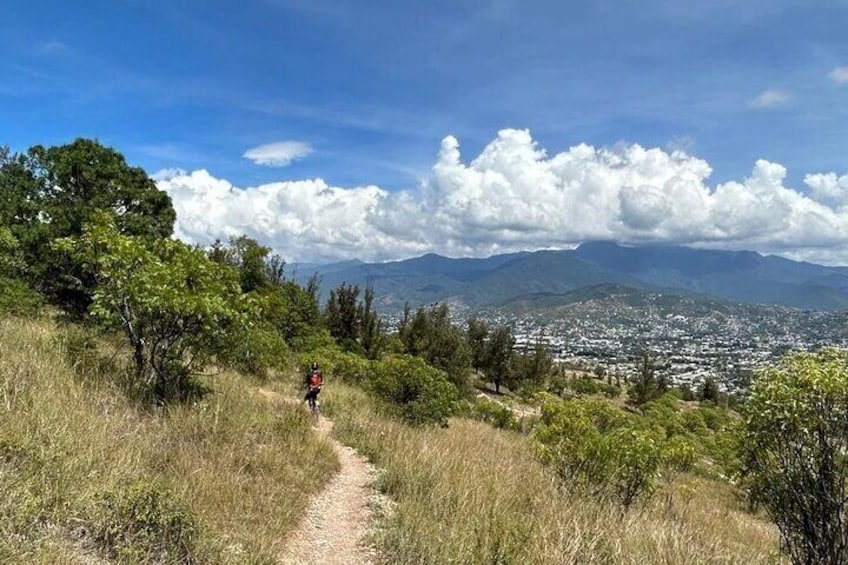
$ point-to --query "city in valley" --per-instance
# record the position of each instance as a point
(689, 338)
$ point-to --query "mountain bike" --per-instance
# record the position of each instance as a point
(314, 405)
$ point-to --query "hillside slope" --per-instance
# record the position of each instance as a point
(87, 476)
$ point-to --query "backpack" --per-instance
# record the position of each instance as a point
(315, 379)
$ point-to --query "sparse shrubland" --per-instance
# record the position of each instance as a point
(471, 493)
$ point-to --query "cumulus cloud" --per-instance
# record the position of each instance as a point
(514, 196)
(279, 153)
(839, 74)
(770, 98)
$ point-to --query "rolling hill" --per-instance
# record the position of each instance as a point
(739, 276)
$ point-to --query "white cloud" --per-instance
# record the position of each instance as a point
(828, 189)
(168, 173)
(839, 74)
(770, 98)
(513, 196)
(279, 153)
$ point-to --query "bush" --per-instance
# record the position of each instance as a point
(597, 446)
(793, 452)
(18, 298)
(610, 391)
(352, 368)
(495, 414)
(584, 385)
(144, 523)
(422, 393)
(256, 351)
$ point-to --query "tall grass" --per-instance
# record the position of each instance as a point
(85, 474)
(475, 494)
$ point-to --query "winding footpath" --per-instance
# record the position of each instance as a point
(335, 527)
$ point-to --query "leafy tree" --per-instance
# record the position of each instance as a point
(11, 262)
(431, 335)
(17, 297)
(531, 367)
(499, 356)
(57, 190)
(246, 255)
(372, 336)
(342, 313)
(20, 192)
(294, 312)
(175, 307)
(275, 270)
(84, 176)
(353, 323)
(709, 390)
(646, 386)
(794, 452)
(476, 333)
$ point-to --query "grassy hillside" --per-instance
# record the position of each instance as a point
(475, 494)
(88, 476)
(85, 475)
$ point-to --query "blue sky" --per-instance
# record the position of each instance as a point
(371, 88)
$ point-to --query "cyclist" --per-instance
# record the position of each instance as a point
(314, 381)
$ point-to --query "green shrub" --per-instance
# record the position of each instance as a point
(793, 451)
(144, 523)
(584, 385)
(557, 384)
(422, 393)
(496, 414)
(351, 368)
(260, 348)
(595, 445)
(610, 391)
(17, 298)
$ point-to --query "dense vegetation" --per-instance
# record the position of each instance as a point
(170, 362)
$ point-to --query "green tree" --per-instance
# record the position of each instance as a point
(342, 314)
(74, 182)
(431, 335)
(531, 367)
(372, 336)
(246, 255)
(17, 297)
(20, 192)
(646, 385)
(794, 453)
(476, 332)
(499, 352)
(175, 306)
(709, 391)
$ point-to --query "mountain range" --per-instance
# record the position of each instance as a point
(594, 268)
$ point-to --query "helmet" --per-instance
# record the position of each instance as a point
(315, 366)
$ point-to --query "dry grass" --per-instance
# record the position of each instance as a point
(243, 465)
(239, 466)
(474, 494)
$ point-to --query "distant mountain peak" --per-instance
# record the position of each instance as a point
(600, 267)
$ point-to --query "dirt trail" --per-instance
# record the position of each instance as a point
(335, 526)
